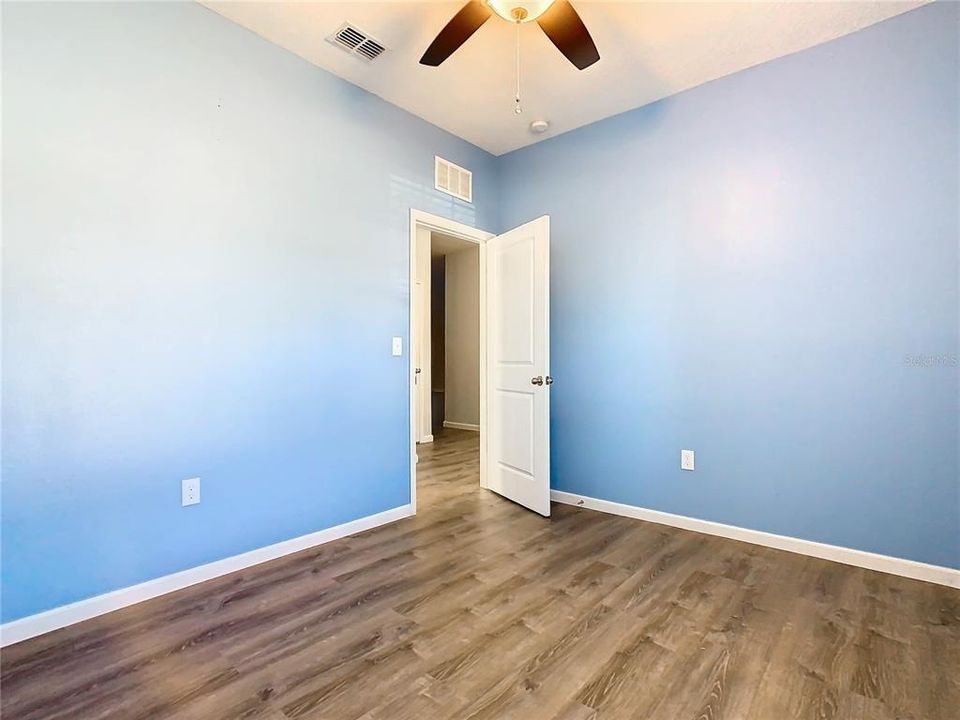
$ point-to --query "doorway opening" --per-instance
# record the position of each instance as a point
(513, 276)
(446, 343)
(454, 338)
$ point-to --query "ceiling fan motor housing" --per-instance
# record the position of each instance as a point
(557, 18)
(519, 12)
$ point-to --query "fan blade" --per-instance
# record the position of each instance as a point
(566, 30)
(456, 32)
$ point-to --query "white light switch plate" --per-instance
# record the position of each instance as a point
(190, 491)
(686, 460)
(397, 346)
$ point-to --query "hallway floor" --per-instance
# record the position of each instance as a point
(477, 608)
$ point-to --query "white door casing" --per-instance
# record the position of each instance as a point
(518, 364)
(422, 353)
(421, 225)
(418, 361)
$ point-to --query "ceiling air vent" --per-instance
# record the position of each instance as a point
(453, 179)
(356, 42)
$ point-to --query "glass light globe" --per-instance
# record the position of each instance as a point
(514, 11)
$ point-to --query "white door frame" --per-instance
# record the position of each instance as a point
(429, 221)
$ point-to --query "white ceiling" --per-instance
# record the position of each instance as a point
(441, 244)
(648, 50)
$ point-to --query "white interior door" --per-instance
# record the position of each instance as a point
(518, 367)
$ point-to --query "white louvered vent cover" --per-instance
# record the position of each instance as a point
(356, 42)
(453, 179)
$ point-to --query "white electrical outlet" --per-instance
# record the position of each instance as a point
(190, 491)
(686, 460)
(397, 346)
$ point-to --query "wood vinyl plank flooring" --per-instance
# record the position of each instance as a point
(476, 608)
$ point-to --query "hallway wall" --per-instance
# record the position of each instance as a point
(462, 385)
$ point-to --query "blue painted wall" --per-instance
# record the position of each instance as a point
(205, 256)
(765, 269)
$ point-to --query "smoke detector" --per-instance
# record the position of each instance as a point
(538, 127)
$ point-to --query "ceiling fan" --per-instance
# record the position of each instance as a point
(557, 18)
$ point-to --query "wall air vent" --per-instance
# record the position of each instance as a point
(351, 39)
(453, 179)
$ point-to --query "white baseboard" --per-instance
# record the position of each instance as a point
(33, 625)
(461, 426)
(859, 558)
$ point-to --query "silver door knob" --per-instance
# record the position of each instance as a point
(548, 380)
(538, 380)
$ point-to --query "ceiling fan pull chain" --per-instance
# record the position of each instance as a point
(518, 109)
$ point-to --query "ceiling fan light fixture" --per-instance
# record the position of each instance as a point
(558, 20)
(519, 12)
